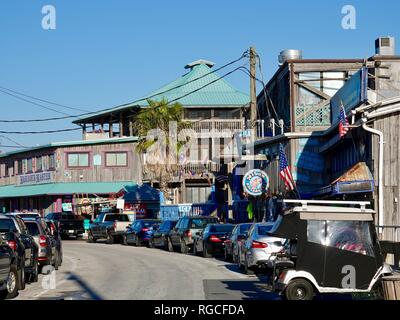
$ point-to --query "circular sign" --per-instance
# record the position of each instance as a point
(255, 182)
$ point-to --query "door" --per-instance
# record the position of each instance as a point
(96, 224)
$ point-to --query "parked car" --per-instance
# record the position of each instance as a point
(10, 234)
(212, 239)
(235, 239)
(55, 232)
(108, 226)
(141, 231)
(26, 214)
(255, 252)
(8, 266)
(69, 224)
(26, 243)
(48, 254)
(182, 234)
(159, 237)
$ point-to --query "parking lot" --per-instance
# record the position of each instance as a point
(101, 271)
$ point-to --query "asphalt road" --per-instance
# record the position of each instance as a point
(100, 271)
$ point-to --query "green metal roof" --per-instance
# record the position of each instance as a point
(14, 191)
(71, 144)
(218, 94)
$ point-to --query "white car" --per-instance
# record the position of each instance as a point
(258, 247)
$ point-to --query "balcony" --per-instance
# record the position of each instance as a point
(217, 127)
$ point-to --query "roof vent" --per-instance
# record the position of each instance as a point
(385, 46)
(197, 62)
(289, 54)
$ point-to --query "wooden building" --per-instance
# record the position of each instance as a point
(56, 176)
(216, 111)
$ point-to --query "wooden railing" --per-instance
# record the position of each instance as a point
(217, 125)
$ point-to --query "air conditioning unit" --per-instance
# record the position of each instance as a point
(385, 46)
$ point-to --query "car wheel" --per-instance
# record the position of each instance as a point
(299, 289)
(110, 238)
(239, 261)
(184, 247)
(195, 253)
(91, 239)
(226, 255)
(34, 277)
(21, 279)
(247, 269)
(56, 261)
(206, 254)
(138, 243)
(11, 290)
(151, 243)
(165, 242)
(124, 240)
(170, 246)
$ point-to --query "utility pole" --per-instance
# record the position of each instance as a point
(253, 95)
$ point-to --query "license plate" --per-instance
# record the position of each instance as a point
(71, 231)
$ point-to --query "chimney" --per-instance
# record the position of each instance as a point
(385, 46)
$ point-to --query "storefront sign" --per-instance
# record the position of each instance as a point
(120, 204)
(351, 95)
(138, 209)
(36, 178)
(67, 207)
(255, 182)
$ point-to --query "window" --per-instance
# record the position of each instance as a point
(29, 165)
(78, 160)
(51, 161)
(20, 167)
(351, 236)
(39, 164)
(116, 159)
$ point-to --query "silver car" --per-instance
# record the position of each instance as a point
(258, 247)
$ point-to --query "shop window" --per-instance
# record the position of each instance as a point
(39, 164)
(77, 160)
(20, 167)
(116, 159)
(29, 165)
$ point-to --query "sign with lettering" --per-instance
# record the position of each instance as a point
(35, 178)
(255, 182)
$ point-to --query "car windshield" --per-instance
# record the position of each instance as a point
(244, 228)
(147, 224)
(117, 217)
(263, 230)
(28, 215)
(201, 223)
(6, 225)
(222, 228)
(33, 228)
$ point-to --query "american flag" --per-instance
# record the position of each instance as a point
(284, 169)
(343, 124)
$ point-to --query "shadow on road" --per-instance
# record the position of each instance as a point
(93, 295)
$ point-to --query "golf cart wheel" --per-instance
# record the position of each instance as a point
(299, 289)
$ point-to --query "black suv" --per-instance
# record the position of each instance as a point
(8, 268)
(24, 244)
(187, 226)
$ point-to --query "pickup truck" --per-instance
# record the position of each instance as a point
(69, 224)
(108, 226)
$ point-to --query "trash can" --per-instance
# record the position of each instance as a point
(391, 287)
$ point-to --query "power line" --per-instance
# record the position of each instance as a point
(183, 96)
(13, 141)
(34, 103)
(40, 132)
(43, 100)
(244, 54)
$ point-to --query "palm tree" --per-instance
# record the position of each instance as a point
(165, 121)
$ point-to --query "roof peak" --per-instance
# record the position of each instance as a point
(200, 61)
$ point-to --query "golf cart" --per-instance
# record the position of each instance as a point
(331, 247)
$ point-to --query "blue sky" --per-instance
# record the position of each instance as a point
(105, 53)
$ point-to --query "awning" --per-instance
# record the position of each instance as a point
(67, 188)
(358, 179)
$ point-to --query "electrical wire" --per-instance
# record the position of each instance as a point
(73, 129)
(244, 54)
(43, 100)
(34, 103)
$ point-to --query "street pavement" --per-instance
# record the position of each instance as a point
(101, 271)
